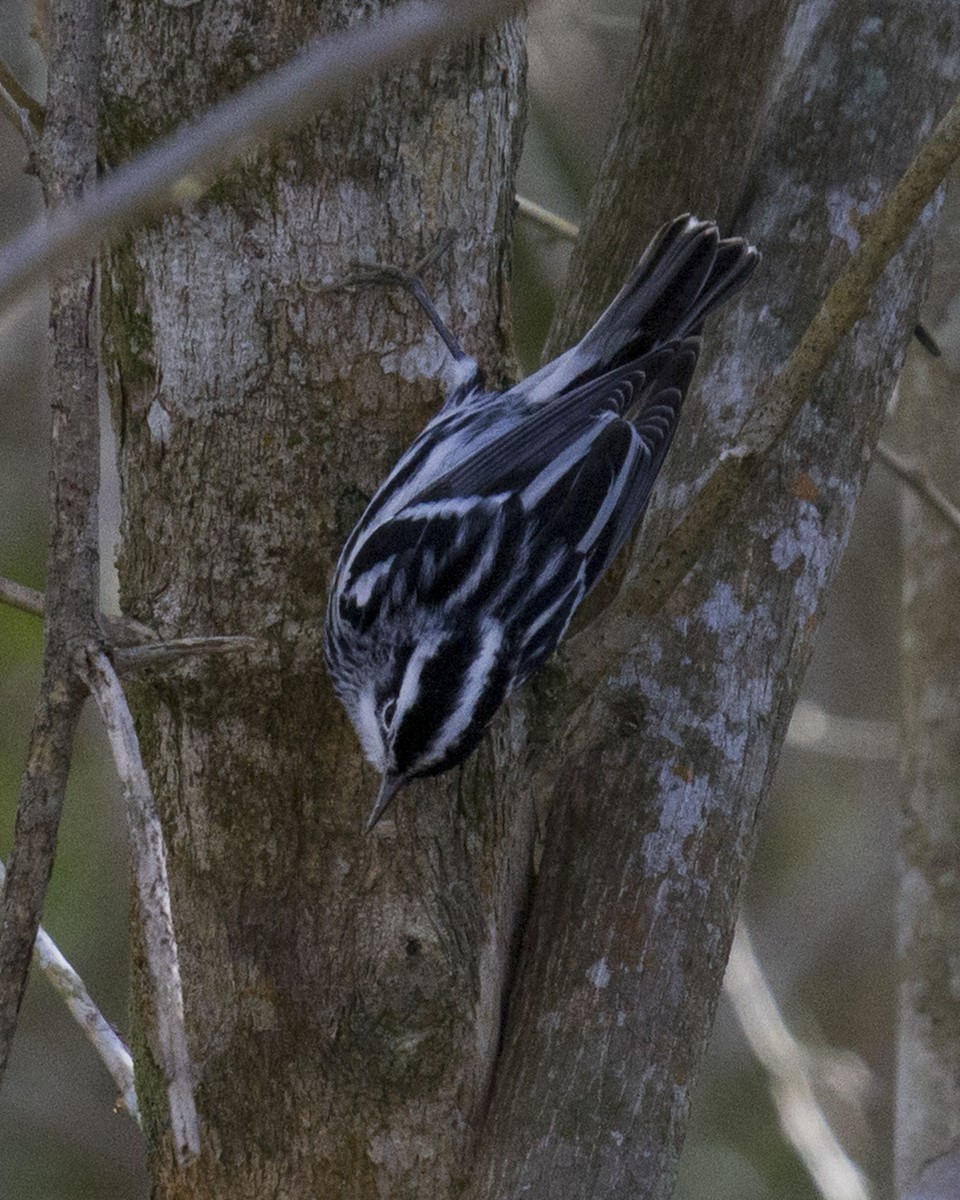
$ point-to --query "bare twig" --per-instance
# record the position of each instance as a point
(548, 220)
(19, 118)
(787, 1063)
(150, 868)
(133, 645)
(813, 728)
(158, 654)
(120, 631)
(18, 595)
(66, 159)
(847, 301)
(180, 168)
(34, 840)
(20, 105)
(102, 1035)
(920, 483)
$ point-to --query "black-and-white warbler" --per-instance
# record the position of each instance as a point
(468, 563)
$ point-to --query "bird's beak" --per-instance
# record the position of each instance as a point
(388, 790)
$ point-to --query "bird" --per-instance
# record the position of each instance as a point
(466, 567)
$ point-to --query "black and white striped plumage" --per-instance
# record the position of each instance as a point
(464, 571)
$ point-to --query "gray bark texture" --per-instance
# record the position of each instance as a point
(507, 991)
(928, 1088)
(342, 993)
(65, 163)
(665, 768)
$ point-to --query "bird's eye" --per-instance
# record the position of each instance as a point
(387, 712)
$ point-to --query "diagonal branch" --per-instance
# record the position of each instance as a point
(21, 98)
(35, 838)
(103, 1037)
(914, 478)
(787, 1064)
(22, 111)
(121, 631)
(551, 221)
(882, 234)
(180, 168)
(153, 889)
(19, 595)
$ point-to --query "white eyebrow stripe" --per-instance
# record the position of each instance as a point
(410, 688)
(474, 683)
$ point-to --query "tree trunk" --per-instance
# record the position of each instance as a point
(664, 771)
(422, 1012)
(342, 992)
(928, 1087)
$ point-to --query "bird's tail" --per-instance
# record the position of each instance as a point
(685, 272)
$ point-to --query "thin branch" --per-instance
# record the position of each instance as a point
(787, 1063)
(20, 96)
(66, 159)
(19, 118)
(25, 113)
(153, 889)
(548, 220)
(882, 234)
(180, 168)
(120, 631)
(129, 659)
(104, 1038)
(813, 728)
(18, 595)
(132, 645)
(915, 479)
(34, 841)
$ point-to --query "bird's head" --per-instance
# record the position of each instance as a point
(422, 708)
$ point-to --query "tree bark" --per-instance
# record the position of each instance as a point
(664, 772)
(66, 163)
(928, 1089)
(685, 139)
(465, 1002)
(342, 992)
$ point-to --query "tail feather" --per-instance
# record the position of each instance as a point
(686, 271)
(732, 267)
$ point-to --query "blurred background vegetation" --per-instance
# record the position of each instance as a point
(820, 897)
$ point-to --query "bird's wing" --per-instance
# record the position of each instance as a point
(527, 442)
(583, 466)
